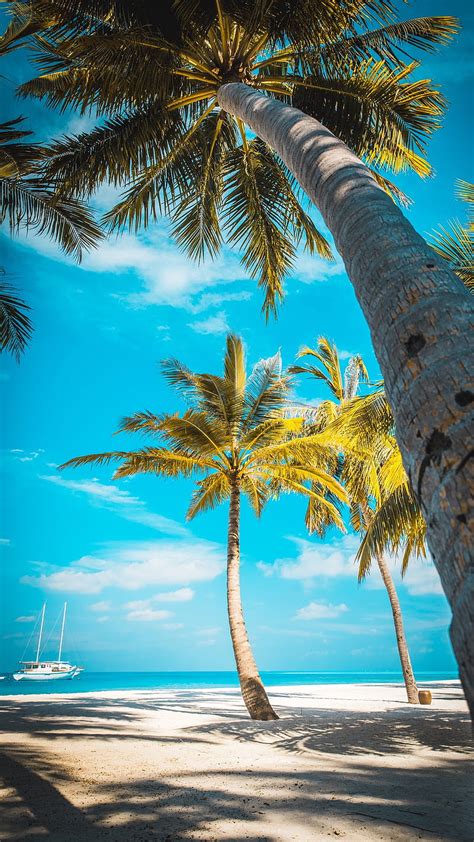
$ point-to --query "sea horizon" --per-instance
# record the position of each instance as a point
(98, 681)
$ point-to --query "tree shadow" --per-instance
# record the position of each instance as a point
(358, 796)
(354, 732)
(393, 774)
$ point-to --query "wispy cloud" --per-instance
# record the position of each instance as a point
(215, 299)
(101, 607)
(26, 455)
(181, 595)
(30, 618)
(120, 501)
(94, 488)
(215, 324)
(130, 567)
(422, 579)
(321, 611)
(5, 542)
(316, 559)
(148, 615)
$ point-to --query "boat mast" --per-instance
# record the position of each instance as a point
(40, 633)
(62, 632)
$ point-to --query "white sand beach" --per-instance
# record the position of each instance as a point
(349, 761)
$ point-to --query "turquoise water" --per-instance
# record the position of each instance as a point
(93, 681)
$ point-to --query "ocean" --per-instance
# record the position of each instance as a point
(89, 682)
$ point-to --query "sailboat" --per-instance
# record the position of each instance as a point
(47, 670)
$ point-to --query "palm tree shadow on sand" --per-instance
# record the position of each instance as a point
(368, 783)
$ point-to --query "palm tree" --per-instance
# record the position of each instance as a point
(367, 448)
(176, 85)
(456, 242)
(236, 436)
(27, 201)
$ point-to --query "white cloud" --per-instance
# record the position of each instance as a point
(344, 355)
(172, 626)
(94, 488)
(121, 501)
(208, 632)
(320, 611)
(5, 542)
(154, 521)
(100, 607)
(316, 559)
(104, 619)
(129, 567)
(168, 276)
(309, 269)
(148, 615)
(215, 324)
(29, 456)
(215, 299)
(181, 595)
(30, 618)
(422, 579)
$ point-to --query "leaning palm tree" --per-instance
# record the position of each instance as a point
(176, 84)
(456, 242)
(236, 436)
(365, 450)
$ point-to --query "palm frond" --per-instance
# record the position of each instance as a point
(266, 391)
(26, 203)
(256, 491)
(397, 520)
(15, 324)
(196, 225)
(455, 244)
(390, 41)
(255, 217)
(209, 492)
(383, 115)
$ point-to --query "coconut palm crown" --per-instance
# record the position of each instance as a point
(151, 75)
(366, 458)
(236, 437)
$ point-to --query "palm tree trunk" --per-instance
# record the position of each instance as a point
(253, 691)
(420, 317)
(409, 678)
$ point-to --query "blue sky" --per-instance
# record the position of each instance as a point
(146, 590)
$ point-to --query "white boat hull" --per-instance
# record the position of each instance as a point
(45, 676)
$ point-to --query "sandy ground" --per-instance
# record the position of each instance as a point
(352, 761)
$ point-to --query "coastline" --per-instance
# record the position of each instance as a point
(349, 760)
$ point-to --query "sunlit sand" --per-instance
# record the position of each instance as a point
(353, 761)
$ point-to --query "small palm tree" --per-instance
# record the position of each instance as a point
(236, 436)
(456, 242)
(371, 468)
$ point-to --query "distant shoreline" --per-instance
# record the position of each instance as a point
(305, 689)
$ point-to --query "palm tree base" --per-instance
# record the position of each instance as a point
(256, 700)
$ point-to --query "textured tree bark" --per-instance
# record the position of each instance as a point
(409, 678)
(253, 691)
(420, 317)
